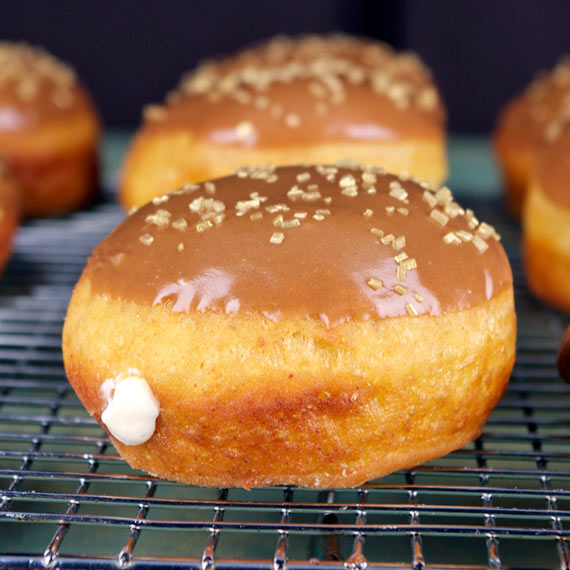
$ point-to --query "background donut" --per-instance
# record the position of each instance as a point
(291, 100)
(49, 131)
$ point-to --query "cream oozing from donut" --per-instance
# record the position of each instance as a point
(132, 408)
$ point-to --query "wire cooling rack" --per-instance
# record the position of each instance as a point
(68, 501)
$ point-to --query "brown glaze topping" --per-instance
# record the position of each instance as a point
(534, 117)
(305, 89)
(333, 243)
(564, 357)
(34, 87)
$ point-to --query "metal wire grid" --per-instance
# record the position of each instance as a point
(67, 500)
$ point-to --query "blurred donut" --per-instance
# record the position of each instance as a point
(523, 125)
(49, 131)
(312, 99)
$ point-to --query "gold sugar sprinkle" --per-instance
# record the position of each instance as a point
(310, 196)
(350, 191)
(399, 243)
(401, 256)
(371, 190)
(203, 226)
(256, 216)
(418, 298)
(368, 177)
(401, 273)
(451, 238)
(472, 221)
(465, 236)
(390, 210)
(443, 195)
(368, 213)
(410, 263)
(429, 198)
(300, 215)
(377, 232)
(295, 223)
(180, 246)
(244, 130)
(180, 224)
(439, 217)
(375, 284)
(327, 200)
(347, 181)
(160, 199)
(312, 187)
(403, 211)
(303, 177)
(278, 220)
(277, 238)
(397, 192)
(274, 208)
(210, 187)
(411, 310)
(292, 120)
(387, 239)
(318, 217)
(480, 244)
(400, 290)
(146, 239)
(323, 211)
(272, 178)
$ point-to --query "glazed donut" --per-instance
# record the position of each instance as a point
(49, 131)
(523, 124)
(9, 213)
(546, 220)
(308, 325)
(563, 360)
(289, 101)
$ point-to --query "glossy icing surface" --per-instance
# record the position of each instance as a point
(331, 243)
(295, 91)
(35, 88)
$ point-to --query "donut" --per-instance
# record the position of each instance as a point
(9, 213)
(304, 325)
(288, 101)
(563, 360)
(546, 219)
(49, 131)
(522, 126)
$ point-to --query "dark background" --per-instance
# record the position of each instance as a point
(130, 53)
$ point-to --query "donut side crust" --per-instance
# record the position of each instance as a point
(158, 162)
(247, 402)
(546, 248)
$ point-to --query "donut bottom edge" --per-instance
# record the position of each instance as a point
(293, 403)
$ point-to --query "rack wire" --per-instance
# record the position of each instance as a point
(68, 501)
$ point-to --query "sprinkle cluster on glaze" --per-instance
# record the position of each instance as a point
(313, 197)
(24, 68)
(328, 63)
(549, 99)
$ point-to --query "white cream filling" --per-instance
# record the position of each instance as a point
(132, 408)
